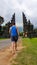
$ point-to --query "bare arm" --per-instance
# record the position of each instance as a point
(17, 31)
(9, 30)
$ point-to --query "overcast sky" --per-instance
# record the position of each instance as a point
(29, 7)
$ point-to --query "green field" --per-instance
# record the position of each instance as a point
(28, 55)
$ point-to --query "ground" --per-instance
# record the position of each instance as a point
(26, 54)
(4, 42)
(6, 55)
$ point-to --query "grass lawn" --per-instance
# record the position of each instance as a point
(3, 38)
(28, 55)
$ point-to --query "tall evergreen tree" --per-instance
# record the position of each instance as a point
(13, 18)
(24, 23)
(1, 21)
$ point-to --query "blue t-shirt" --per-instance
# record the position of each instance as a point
(13, 31)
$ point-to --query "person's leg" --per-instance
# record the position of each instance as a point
(13, 47)
(12, 44)
(16, 46)
(16, 43)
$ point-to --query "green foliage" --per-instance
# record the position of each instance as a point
(35, 30)
(3, 38)
(21, 33)
(1, 20)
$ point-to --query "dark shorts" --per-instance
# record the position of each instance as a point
(14, 38)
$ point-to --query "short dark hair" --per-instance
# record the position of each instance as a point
(13, 23)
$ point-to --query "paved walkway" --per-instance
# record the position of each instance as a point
(4, 43)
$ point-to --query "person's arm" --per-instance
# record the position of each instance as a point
(17, 31)
(9, 29)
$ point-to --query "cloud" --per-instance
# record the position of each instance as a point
(29, 7)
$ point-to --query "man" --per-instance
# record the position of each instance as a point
(14, 37)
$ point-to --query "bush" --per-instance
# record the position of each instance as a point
(21, 33)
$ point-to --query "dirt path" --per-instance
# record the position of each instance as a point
(6, 55)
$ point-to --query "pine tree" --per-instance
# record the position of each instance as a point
(13, 18)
